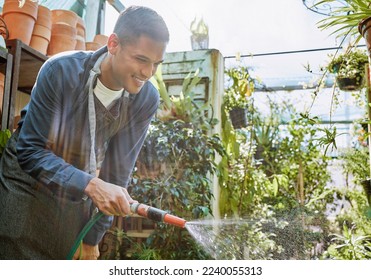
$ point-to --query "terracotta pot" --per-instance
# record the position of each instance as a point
(80, 37)
(80, 26)
(41, 33)
(364, 27)
(63, 29)
(100, 39)
(44, 17)
(20, 21)
(92, 46)
(40, 38)
(80, 43)
(63, 38)
(64, 16)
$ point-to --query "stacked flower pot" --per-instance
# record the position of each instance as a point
(99, 41)
(20, 21)
(41, 33)
(80, 34)
(63, 32)
(47, 31)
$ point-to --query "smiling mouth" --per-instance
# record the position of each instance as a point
(139, 81)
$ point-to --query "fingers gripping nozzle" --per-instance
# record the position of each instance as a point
(156, 215)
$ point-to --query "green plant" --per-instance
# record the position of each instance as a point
(355, 163)
(345, 18)
(200, 34)
(344, 21)
(291, 179)
(182, 106)
(199, 28)
(4, 137)
(240, 86)
(350, 245)
(350, 64)
(179, 140)
(184, 187)
(265, 131)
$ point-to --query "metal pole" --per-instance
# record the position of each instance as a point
(368, 88)
(91, 19)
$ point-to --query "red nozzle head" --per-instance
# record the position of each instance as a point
(174, 220)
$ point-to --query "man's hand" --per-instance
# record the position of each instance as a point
(86, 252)
(109, 198)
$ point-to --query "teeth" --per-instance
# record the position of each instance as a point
(139, 80)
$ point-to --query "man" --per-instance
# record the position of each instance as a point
(78, 140)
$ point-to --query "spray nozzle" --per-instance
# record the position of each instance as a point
(157, 215)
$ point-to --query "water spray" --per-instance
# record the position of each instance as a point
(143, 210)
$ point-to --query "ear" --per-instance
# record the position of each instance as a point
(113, 43)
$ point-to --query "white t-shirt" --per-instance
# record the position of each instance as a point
(106, 95)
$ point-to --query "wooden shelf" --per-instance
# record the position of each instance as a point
(26, 64)
(25, 67)
(6, 62)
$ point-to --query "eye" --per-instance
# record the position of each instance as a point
(141, 59)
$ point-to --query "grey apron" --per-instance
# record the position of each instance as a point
(35, 222)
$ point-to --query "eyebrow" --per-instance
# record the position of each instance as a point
(146, 58)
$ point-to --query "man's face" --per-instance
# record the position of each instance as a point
(135, 63)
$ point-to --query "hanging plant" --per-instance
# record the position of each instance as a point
(236, 98)
(349, 69)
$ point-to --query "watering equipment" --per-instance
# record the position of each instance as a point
(143, 210)
(157, 215)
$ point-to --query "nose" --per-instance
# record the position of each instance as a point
(148, 70)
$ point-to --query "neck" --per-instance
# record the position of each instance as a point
(105, 76)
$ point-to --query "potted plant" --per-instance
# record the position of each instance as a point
(350, 20)
(349, 69)
(200, 34)
(345, 18)
(181, 107)
(236, 99)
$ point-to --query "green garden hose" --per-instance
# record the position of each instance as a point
(82, 234)
(138, 208)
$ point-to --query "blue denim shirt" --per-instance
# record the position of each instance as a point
(54, 142)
